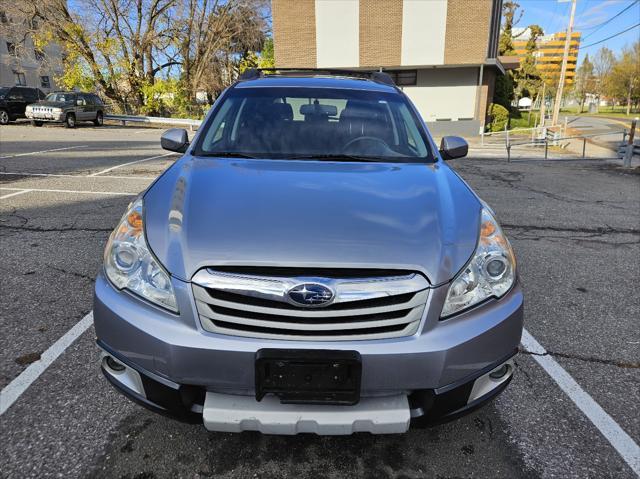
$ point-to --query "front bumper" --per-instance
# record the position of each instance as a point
(439, 363)
(51, 117)
(376, 415)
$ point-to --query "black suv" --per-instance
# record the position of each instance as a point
(68, 107)
(14, 101)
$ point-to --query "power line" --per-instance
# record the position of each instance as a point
(600, 25)
(612, 36)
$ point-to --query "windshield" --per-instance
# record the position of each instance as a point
(63, 97)
(325, 123)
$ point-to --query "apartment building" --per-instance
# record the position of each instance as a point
(550, 50)
(442, 53)
(21, 63)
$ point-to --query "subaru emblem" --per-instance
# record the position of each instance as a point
(310, 294)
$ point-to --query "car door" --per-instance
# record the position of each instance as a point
(92, 108)
(82, 108)
(30, 96)
(16, 103)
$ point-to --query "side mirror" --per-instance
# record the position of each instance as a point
(175, 139)
(453, 147)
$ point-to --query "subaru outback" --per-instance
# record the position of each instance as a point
(310, 264)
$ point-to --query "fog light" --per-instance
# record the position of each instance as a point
(113, 364)
(500, 372)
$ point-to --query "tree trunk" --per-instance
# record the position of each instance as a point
(629, 97)
(582, 100)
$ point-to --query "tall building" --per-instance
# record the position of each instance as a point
(21, 63)
(442, 53)
(550, 49)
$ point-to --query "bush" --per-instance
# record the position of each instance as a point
(499, 117)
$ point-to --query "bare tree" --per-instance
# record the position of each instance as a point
(603, 63)
(123, 46)
(213, 36)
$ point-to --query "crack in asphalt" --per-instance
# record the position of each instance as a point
(589, 359)
(514, 182)
(55, 230)
(597, 231)
(589, 235)
(72, 273)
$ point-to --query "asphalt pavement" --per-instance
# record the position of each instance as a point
(571, 410)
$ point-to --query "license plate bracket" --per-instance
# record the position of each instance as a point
(309, 376)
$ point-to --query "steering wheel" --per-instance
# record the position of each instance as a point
(371, 139)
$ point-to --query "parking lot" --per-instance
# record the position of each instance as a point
(571, 410)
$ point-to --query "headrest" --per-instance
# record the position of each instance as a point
(317, 109)
(282, 111)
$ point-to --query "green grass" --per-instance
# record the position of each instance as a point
(610, 111)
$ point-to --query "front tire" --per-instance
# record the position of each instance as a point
(99, 119)
(4, 117)
(70, 121)
(36, 123)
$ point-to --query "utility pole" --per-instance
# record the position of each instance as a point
(563, 69)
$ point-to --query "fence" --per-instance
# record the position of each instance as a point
(124, 119)
(544, 137)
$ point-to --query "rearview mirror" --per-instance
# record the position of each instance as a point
(453, 147)
(175, 139)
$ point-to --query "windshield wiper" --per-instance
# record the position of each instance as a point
(339, 157)
(228, 154)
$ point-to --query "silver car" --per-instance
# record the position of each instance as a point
(311, 264)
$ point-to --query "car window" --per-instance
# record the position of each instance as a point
(81, 100)
(62, 97)
(15, 94)
(96, 99)
(298, 122)
(29, 94)
(41, 95)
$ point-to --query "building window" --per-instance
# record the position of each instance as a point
(45, 82)
(404, 77)
(20, 78)
(11, 48)
(39, 54)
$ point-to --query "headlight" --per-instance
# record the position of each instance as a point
(29, 108)
(57, 111)
(129, 264)
(490, 273)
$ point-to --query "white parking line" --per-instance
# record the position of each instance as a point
(130, 163)
(45, 190)
(16, 193)
(617, 437)
(19, 385)
(62, 175)
(42, 151)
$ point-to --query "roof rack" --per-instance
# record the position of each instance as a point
(376, 76)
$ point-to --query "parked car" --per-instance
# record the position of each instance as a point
(310, 264)
(68, 107)
(14, 101)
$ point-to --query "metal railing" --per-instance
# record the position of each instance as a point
(545, 137)
(124, 119)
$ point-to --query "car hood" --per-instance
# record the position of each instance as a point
(207, 212)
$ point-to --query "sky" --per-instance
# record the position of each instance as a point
(553, 16)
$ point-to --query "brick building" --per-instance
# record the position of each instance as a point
(442, 53)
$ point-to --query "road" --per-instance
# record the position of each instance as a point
(575, 226)
(607, 129)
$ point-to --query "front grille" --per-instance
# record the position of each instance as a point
(364, 307)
